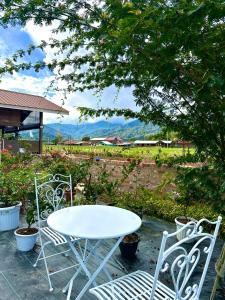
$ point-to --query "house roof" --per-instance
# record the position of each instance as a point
(97, 139)
(106, 143)
(21, 101)
(112, 138)
(166, 142)
(124, 144)
(146, 142)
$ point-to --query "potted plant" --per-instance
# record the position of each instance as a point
(180, 223)
(9, 206)
(128, 246)
(26, 236)
(9, 214)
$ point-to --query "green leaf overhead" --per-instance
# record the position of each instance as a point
(170, 52)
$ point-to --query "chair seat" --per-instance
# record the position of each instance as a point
(55, 237)
(137, 285)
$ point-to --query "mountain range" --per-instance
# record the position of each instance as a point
(129, 130)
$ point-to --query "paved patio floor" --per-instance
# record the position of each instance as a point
(19, 280)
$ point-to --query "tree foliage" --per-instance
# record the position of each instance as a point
(170, 52)
(58, 138)
(86, 138)
(164, 134)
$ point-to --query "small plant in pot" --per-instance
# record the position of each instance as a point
(26, 236)
(129, 245)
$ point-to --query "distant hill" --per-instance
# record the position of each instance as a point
(130, 130)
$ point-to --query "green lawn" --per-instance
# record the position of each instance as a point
(113, 151)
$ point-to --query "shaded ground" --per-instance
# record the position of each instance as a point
(19, 280)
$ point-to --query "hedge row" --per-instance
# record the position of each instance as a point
(169, 209)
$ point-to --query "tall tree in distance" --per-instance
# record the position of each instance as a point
(58, 138)
(170, 52)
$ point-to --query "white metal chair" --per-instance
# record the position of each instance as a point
(51, 193)
(179, 260)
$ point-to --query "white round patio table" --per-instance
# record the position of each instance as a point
(93, 222)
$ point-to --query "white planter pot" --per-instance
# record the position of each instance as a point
(25, 242)
(183, 234)
(10, 217)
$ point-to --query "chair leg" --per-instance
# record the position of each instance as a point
(40, 254)
(46, 267)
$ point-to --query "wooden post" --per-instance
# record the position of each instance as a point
(1, 131)
(40, 132)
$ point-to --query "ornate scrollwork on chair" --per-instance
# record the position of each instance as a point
(185, 258)
(50, 196)
(178, 261)
(50, 192)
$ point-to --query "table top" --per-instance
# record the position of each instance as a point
(94, 221)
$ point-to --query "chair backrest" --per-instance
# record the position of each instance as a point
(181, 259)
(52, 191)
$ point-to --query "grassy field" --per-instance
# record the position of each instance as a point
(112, 151)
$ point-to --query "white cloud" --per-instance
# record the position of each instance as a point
(39, 86)
(39, 33)
(22, 83)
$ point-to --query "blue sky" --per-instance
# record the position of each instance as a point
(14, 38)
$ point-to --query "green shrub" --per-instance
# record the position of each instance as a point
(66, 166)
(204, 184)
(167, 208)
(16, 185)
(175, 160)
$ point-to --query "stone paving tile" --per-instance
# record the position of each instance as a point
(10, 257)
(6, 292)
(30, 284)
(9, 235)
